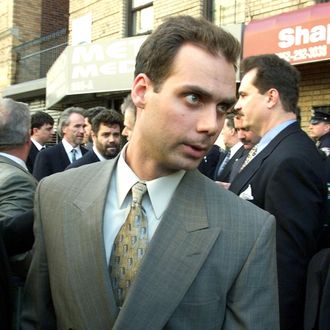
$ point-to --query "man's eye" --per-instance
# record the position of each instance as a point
(224, 108)
(192, 98)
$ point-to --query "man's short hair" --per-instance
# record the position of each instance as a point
(40, 118)
(158, 52)
(90, 113)
(107, 117)
(14, 123)
(275, 72)
(64, 118)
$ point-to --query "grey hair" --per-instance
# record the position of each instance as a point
(64, 119)
(128, 105)
(14, 123)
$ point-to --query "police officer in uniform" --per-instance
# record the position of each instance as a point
(319, 128)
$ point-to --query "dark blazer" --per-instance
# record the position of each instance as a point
(324, 141)
(88, 158)
(16, 236)
(210, 161)
(225, 174)
(237, 165)
(317, 304)
(287, 179)
(52, 160)
(31, 157)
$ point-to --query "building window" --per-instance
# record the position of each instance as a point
(141, 17)
(224, 12)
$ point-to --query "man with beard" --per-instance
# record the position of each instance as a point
(106, 135)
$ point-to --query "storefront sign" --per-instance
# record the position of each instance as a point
(300, 36)
(93, 68)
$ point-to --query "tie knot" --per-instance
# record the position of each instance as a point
(138, 190)
(253, 151)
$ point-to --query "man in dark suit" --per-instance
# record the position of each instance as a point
(41, 132)
(106, 136)
(234, 148)
(210, 261)
(57, 158)
(286, 177)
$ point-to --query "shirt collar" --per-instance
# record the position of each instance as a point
(235, 148)
(270, 135)
(160, 190)
(15, 159)
(99, 156)
(37, 144)
(68, 147)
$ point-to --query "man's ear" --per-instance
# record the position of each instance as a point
(140, 86)
(273, 97)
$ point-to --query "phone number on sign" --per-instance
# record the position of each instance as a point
(304, 53)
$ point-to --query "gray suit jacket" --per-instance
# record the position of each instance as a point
(210, 265)
(17, 187)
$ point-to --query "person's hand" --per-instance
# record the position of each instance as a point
(225, 185)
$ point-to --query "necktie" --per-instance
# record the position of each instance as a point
(129, 246)
(224, 163)
(249, 156)
(74, 155)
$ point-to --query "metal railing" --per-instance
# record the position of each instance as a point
(35, 57)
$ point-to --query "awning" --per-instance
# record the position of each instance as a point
(300, 36)
(92, 68)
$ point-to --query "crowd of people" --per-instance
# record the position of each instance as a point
(231, 234)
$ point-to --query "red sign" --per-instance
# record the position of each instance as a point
(299, 37)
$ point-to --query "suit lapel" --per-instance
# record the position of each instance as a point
(242, 179)
(226, 171)
(175, 255)
(85, 236)
(64, 156)
(222, 156)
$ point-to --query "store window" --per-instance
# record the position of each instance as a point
(141, 17)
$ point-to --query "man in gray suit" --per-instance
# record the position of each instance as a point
(17, 187)
(210, 263)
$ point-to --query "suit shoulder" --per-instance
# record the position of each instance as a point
(75, 175)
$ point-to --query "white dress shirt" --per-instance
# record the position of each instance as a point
(155, 202)
(37, 144)
(68, 149)
(99, 156)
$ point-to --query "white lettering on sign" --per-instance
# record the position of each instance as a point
(297, 36)
(94, 70)
(303, 54)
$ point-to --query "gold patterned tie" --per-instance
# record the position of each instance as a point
(129, 246)
(249, 156)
